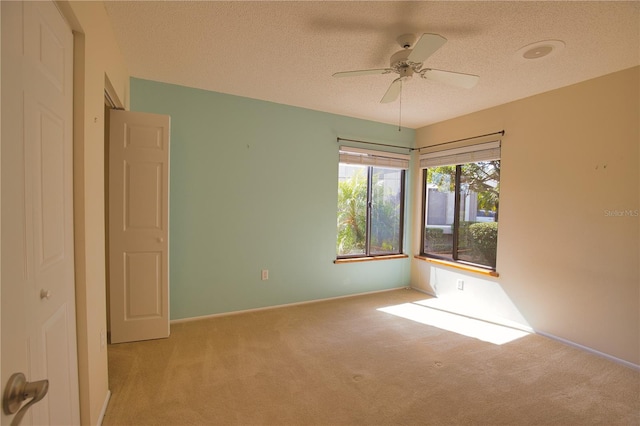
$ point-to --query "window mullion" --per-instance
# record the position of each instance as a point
(425, 192)
(456, 212)
(368, 226)
(401, 230)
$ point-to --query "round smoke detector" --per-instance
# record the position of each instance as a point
(539, 50)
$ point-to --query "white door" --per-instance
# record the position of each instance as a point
(38, 300)
(138, 226)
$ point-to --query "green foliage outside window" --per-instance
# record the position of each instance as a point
(352, 214)
(484, 240)
(436, 241)
(479, 177)
(385, 214)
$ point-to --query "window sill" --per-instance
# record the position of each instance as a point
(458, 265)
(370, 258)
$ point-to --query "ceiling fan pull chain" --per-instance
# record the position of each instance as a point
(400, 113)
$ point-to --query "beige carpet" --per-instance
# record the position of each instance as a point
(343, 362)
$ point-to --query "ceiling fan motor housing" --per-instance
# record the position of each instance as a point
(400, 63)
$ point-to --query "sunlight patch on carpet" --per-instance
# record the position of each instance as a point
(481, 330)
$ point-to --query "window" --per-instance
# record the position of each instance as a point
(461, 200)
(370, 203)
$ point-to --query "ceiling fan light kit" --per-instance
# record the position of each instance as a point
(409, 61)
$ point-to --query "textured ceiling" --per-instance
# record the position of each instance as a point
(286, 52)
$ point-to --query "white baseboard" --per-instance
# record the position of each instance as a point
(565, 341)
(224, 314)
(590, 350)
(104, 407)
(424, 291)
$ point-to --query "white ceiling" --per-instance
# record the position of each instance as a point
(286, 52)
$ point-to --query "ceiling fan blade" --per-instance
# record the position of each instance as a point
(392, 92)
(466, 81)
(362, 72)
(426, 46)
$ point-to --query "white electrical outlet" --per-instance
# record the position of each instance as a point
(460, 284)
(265, 274)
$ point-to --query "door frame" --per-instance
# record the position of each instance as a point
(86, 114)
(111, 101)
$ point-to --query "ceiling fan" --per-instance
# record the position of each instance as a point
(408, 62)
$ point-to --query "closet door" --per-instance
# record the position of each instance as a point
(138, 226)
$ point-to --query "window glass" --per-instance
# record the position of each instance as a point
(352, 209)
(386, 211)
(478, 231)
(440, 209)
(370, 210)
(461, 212)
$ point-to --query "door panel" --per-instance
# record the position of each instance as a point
(38, 295)
(138, 226)
(49, 202)
(144, 188)
(144, 137)
(54, 333)
(143, 285)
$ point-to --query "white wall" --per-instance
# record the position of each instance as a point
(567, 267)
(97, 57)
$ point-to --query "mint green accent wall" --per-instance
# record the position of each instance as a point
(254, 186)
